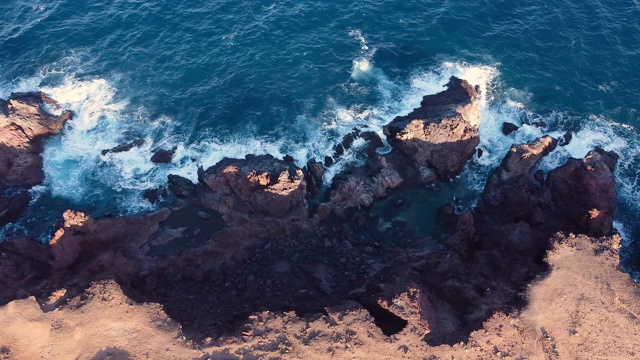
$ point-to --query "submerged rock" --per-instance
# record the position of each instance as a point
(124, 147)
(442, 134)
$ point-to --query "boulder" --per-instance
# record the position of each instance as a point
(508, 128)
(442, 134)
(163, 156)
(585, 193)
(257, 185)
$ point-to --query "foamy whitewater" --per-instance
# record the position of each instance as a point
(293, 77)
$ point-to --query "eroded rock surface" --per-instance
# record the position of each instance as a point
(23, 125)
(257, 185)
(442, 134)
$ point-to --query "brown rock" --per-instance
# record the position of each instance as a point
(314, 172)
(351, 190)
(510, 192)
(258, 185)
(585, 192)
(442, 134)
(23, 125)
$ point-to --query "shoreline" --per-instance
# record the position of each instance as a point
(253, 245)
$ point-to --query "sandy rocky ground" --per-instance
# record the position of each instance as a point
(585, 308)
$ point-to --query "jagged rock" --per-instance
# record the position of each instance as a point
(23, 125)
(288, 158)
(361, 188)
(565, 139)
(373, 142)
(124, 147)
(257, 185)
(584, 191)
(314, 172)
(153, 195)
(508, 128)
(163, 156)
(181, 187)
(511, 192)
(442, 134)
(328, 161)
(13, 202)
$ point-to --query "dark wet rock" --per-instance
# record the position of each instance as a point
(260, 185)
(541, 124)
(24, 123)
(339, 151)
(508, 128)
(13, 202)
(360, 187)
(511, 192)
(539, 177)
(288, 158)
(163, 156)
(314, 172)
(584, 191)
(181, 187)
(373, 141)
(154, 195)
(480, 152)
(328, 161)
(565, 139)
(124, 147)
(348, 139)
(442, 134)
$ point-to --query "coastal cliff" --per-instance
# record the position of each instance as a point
(257, 259)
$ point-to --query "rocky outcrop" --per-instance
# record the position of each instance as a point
(584, 192)
(81, 250)
(24, 123)
(257, 186)
(511, 193)
(357, 187)
(442, 134)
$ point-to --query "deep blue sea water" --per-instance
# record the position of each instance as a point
(224, 78)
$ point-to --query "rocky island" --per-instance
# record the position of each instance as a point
(259, 259)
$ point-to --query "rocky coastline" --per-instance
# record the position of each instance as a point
(260, 240)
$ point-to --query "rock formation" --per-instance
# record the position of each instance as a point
(24, 124)
(442, 134)
(257, 186)
(242, 246)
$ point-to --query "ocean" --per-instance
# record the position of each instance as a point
(220, 78)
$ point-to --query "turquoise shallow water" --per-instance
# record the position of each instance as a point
(225, 78)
